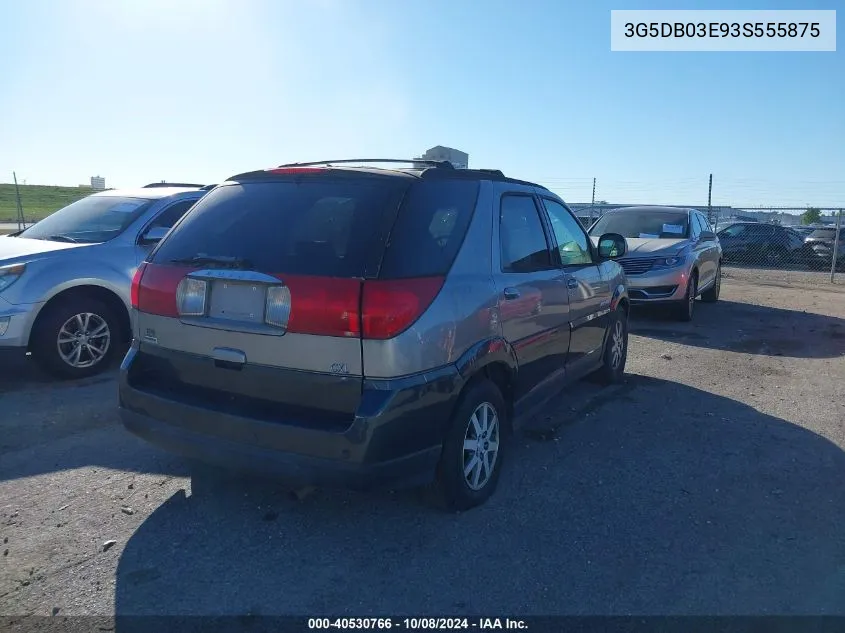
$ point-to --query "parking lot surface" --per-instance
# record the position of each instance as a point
(709, 483)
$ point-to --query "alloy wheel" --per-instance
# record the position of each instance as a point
(481, 446)
(84, 340)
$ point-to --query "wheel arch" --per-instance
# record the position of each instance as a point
(494, 360)
(98, 292)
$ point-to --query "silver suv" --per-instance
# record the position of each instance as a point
(64, 282)
(673, 258)
(345, 324)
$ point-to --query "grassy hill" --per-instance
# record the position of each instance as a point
(38, 201)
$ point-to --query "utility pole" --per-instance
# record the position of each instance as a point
(835, 245)
(709, 200)
(593, 202)
(20, 206)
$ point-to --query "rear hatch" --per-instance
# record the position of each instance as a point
(258, 300)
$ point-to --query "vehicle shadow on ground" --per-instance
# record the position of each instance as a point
(20, 372)
(746, 328)
(665, 500)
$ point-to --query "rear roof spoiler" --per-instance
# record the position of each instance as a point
(440, 164)
(154, 185)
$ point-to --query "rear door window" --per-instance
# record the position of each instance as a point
(314, 226)
(523, 243)
(171, 215)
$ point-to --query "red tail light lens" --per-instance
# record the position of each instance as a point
(136, 285)
(325, 306)
(156, 293)
(389, 307)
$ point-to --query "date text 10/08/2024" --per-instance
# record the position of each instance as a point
(420, 624)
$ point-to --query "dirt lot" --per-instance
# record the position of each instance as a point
(710, 483)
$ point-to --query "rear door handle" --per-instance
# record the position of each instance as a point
(572, 283)
(511, 293)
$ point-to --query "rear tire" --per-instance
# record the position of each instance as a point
(685, 309)
(471, 460)
(76, 338)
(711, 295)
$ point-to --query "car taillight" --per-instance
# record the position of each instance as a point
(134, 290)
(191, 297)
(157, 289)
(389, 307)
(325, 306)
(277, 306)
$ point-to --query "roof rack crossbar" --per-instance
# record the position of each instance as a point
(153, 185)
(442, 164)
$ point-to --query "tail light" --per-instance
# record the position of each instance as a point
(277, 306)
(373, 309)
(156, 290)
(191, 297)
(389, 307)
(326, 306)
(135, 289)
(323, 306)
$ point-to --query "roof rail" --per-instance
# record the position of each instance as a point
(153, 185)
(441, 164)
(207, 188)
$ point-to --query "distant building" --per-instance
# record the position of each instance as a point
(458, 158)
(97, 182)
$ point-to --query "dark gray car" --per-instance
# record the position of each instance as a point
(359, 326)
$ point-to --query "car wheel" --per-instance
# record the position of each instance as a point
(711, 295)
(76, 338)
(471, 460)
(615, 355)
(686, 307)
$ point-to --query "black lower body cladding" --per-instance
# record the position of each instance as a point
(392, 440)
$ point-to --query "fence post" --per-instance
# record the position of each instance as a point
(21, 219)
(835, 245)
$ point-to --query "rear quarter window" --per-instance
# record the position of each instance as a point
(429, 228)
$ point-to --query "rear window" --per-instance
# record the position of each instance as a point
(326, 227)
(430, 228)
(329, 227)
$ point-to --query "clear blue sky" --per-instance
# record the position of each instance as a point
(137, 91)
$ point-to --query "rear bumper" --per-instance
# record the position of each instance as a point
(245, 456)
(393, 441)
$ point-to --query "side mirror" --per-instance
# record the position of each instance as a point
(154, 234)
(612, 246)
(707, 236)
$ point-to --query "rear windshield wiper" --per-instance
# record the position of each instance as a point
(218, 261)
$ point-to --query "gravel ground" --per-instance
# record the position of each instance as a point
(710, 483)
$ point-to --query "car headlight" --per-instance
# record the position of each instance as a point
(10, 274)
(668, 262)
